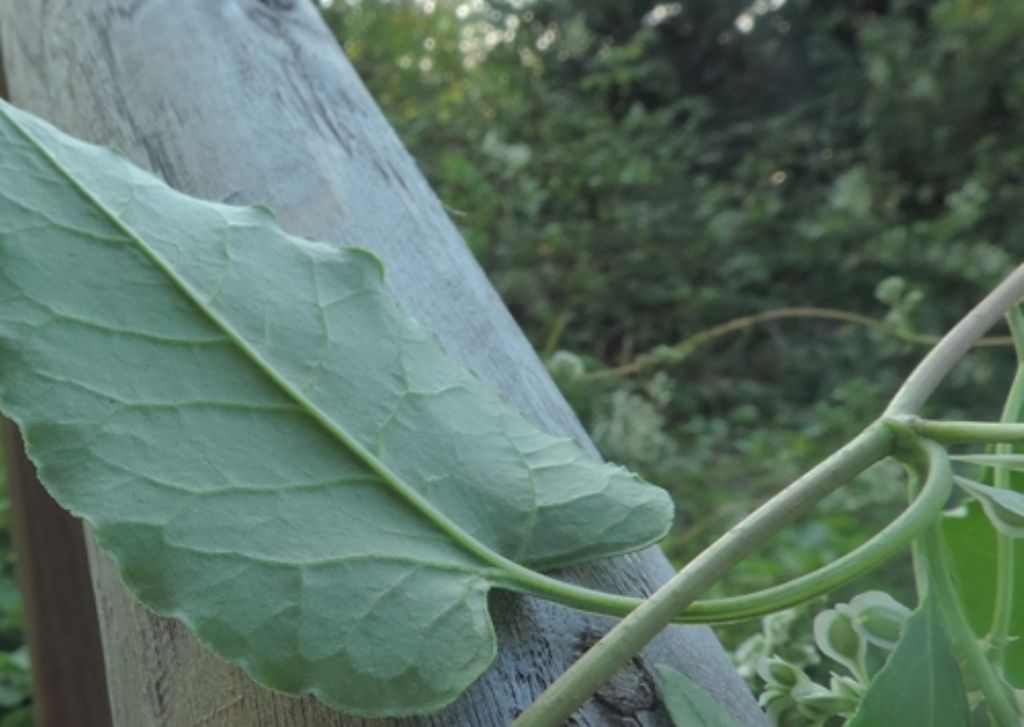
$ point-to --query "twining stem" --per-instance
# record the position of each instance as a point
(932, 552)
(624, 640)
(681, 350)
(885, 544)
(619, 645)
(554, 335)
(948, 352)
(1013, 411)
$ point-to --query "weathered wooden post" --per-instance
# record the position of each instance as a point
(253, 101)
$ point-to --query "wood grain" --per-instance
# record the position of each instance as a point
(253, 101)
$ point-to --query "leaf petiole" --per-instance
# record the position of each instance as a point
(966, 432)
(884, 545)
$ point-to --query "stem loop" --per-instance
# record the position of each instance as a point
(619, 645)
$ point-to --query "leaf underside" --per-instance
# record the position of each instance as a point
(267, 447)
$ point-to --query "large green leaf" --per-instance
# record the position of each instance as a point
(972, 537)
(267, 447)
(921, 682)
(972, 547)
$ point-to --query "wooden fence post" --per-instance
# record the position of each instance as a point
(253, 101)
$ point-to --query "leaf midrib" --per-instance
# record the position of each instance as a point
(387, 476)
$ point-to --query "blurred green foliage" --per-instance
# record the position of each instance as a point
(630, 173)
(14, 669)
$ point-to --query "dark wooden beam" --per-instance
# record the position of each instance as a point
(69, 686)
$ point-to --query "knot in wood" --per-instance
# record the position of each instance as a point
(279, 4)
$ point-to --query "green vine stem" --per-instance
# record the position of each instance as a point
(948, 352)
(624, 640)
(1015, 319)
(940, 586)
(1013, 411)
(966, 432)
(884, 545)
(683, 349)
